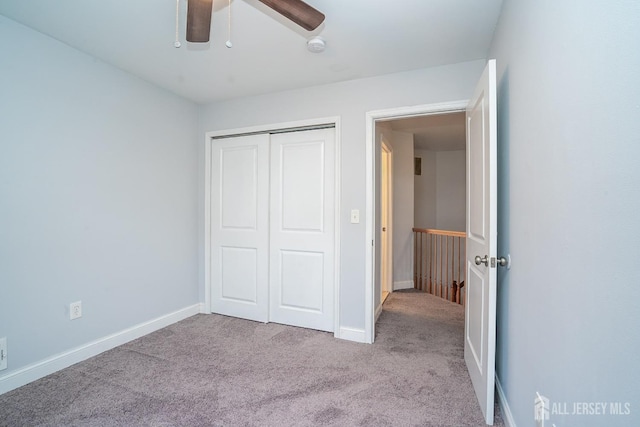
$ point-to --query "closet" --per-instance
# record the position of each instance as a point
(273, 227)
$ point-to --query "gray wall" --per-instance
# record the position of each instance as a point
(426, 194)
(98, 198)
(569, 197)
(451, 206)
(441, 190)
(349, 100)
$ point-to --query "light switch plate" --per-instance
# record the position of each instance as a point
(355, 216)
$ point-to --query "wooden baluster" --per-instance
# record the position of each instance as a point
(441, 265)
(442, 270)
(419, 261)
(422, 262)
(419, 266)
(423, 254)
(434, 261)
(430, 258)
(425, 280)
(453, 260)
(456, 271)
(421, 270)
(454, 277)
(415, 259)
(459, 264)
(445, 284)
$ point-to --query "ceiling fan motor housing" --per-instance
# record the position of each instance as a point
(316, 45)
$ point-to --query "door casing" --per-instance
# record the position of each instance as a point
(371, 263)
(272, 128)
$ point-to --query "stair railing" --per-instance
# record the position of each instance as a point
(439, 263)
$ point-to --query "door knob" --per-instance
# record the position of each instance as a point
(504, 261)
(384, 228)
(484, 260)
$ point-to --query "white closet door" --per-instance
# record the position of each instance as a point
(302, 229)
(240, 227)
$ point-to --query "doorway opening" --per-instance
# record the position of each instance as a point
(410, 133)
(422, 194)
(481, 258)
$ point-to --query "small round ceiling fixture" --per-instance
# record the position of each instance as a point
(316, 45)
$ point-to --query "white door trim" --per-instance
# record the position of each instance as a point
(389, 232)
(332, 121)
(370, 261)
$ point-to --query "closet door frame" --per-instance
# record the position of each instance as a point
(272, 128)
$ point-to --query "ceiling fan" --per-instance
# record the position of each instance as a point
(199, 16)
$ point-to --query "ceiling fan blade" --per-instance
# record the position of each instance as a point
(297, 11)
(199, 20)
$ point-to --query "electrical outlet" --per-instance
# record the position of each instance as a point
(75, 310)
(3, 353)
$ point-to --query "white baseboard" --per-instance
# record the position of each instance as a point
(202, 309)
(63, 360)
(407, 284)
(507, 416)
(352, 334)
(378, 311)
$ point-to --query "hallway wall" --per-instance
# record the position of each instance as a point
(403, 200)
(440, 190)
(426, 193)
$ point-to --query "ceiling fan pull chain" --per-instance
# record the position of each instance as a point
(177, 43)
(228, 43)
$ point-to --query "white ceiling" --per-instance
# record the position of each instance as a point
(364, 38)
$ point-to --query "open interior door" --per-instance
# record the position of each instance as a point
(480, 306)
(385, 224)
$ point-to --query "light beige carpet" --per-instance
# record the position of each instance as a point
(212, 370)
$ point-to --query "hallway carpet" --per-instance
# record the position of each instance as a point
(211, 370)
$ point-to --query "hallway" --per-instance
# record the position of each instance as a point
(425, 334)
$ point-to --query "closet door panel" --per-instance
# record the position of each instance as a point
(302, 229)
(240, 227)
